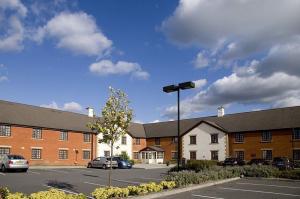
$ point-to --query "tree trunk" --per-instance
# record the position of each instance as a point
(110, 169)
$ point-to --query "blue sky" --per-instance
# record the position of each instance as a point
(65, 54)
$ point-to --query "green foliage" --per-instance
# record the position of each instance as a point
(17, 196)
(124, 155)
(168, 184)
(110, 192)
(3, 192)
(260, 171)
(131, 162)
(290, 174)
(50, 194)
(199, 165)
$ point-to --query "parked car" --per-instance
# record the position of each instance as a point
(102, 162)
(122, 164)
(233, 162)
(13, 162)
(258, 161)
(282, 163)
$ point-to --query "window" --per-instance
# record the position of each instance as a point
(214, 155)
(36, 154)
(214, 138)
(239, 137)
(37, 133)
(174, 140)
(266, 136)
(296, 134)
(296, 154)
(267, 154)
(86, 154)
(63, 135)
(174, 155)
(157, 141)
(5, 130)
(87, 137)
(193, 155)
(160, 155)
(240, 155)
(62, 154)
(124, 140)
(4, 150)
(137, 141)
(136, 155)
(192, 139)
(106, 153)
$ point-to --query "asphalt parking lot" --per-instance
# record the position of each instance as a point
(79, 180)
(246, 189)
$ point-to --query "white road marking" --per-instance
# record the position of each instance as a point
(33, 172)
(202, 196)
(101, 185)
(2, 174)
(256, 191)
(268, 185)
(58, 171)
(126, 181)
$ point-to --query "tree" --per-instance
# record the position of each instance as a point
(115, 120)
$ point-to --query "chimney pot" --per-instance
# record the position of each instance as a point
(90, 111)
(221, 111)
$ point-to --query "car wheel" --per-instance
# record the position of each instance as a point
(89, 165)
(104, 166)
(3, 169)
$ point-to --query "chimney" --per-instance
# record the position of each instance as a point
(221, 111)
(90, 111)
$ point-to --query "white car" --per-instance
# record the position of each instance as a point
(102, 162)
(13, 162)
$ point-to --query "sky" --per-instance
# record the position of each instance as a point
(243, 55)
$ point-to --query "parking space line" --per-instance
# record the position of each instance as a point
(91, 183)
(256, 191)
(2, 174)
(202, 196)
(33, 172)
(126, 181)
(267, 185)
(58, 171)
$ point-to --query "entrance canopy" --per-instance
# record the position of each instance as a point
(152, 154)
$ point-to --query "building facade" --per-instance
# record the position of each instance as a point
(52, 137)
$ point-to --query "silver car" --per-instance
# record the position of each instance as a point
(13, 162)
(102, 162)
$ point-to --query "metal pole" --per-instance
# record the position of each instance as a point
(178, 126)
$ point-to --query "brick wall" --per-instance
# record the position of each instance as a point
(138, 147)
(21, 142)
(281, 144)
(166, 144)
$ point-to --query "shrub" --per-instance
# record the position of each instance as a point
(199, 165)
(168, 184)
(131, 162)
(151, 187)
(260, 171)
(17, 196)
(290, 174)
(110, 192)
(54, 193)
(3, 192)
(124, 155)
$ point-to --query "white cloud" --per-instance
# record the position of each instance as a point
(69, 106)
(72, 106)
(77, 32)
(3, 78)
(14, 11)
(200, 83)
(138, 121)
(107, 67)
(234, 29)
(201, 60)
(155, 121)
(279, 89)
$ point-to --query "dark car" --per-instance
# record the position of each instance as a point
(233, 162)
(282, 163)
(258, 161)
(122, 164)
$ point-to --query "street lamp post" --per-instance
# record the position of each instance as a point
(177, 88)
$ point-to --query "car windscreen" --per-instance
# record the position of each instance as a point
(15, 157)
